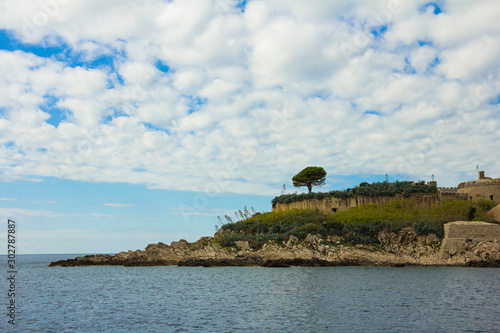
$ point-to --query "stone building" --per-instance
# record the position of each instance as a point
(482, 188)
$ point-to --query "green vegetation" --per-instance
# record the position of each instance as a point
(386, 188)
(309, 177)
(359, 225)
(405, 212)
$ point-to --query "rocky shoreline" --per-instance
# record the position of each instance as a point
(479, 247)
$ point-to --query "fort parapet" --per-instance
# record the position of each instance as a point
(450, 192)
(332, 204)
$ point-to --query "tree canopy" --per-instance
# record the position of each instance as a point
(309, 177)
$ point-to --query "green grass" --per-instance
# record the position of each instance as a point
(356, 225)
(407, 212)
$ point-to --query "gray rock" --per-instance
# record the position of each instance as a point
(242, 245)
(311, 238)
(432, 239)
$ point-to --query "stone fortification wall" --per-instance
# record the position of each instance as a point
(474, 230)
(481, 189)
(460, 235)
(451, 192)
(331, 205)
(495, 213)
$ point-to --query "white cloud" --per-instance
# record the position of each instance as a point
(472, 61)
(422, 57)
(117, 205)
(8, 212)
(257, 95)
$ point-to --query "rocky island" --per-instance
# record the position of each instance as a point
(380, 224)
(466, 243)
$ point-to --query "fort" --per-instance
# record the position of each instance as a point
(482, 188)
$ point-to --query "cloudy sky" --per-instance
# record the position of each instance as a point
(129, 122)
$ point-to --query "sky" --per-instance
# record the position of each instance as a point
(124, 123)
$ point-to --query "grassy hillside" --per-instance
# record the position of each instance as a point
(406, 212)
(356, 225)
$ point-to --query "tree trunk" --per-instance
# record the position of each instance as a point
(309, 187)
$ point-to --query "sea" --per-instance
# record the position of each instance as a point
(248, 299)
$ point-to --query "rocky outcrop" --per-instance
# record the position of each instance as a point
(465, 244)
(155, 255)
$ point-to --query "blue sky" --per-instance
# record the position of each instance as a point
(127, 123)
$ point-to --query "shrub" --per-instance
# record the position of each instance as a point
(486, 205)
(439, 229)
(471, 214)
(229, 240)
(422, 228)
(278, 238)
(302, 231)
(334, 227)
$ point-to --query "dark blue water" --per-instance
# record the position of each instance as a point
(251, 299)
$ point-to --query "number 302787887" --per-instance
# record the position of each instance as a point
(11, 243)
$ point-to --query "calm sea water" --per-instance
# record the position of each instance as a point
(251, 299)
